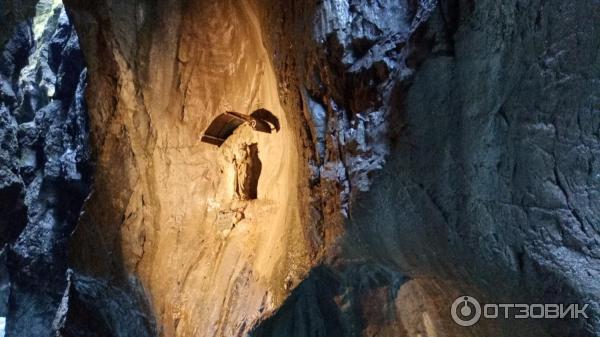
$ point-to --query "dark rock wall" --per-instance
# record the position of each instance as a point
(94, 308)
(492, 123)
(493, 182)
(42, 102)
(4, 284)
(14, 58)
(339, 65)
(45, 174)
(357, 300)
(13, 12)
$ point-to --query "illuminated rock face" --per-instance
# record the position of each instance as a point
(164, 206)
(424, 152)
(430, 128)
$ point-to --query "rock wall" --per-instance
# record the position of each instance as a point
(45, 176)
(162, 200)
(492, 182)
(12, 13)
(415, 138)
(424, 150)
(163, 205)
(45, 144)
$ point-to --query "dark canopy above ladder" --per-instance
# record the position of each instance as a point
(225, 124)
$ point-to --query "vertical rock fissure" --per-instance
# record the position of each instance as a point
(45, 177)
(43, 78)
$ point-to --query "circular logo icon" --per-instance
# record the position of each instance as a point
(466, 311)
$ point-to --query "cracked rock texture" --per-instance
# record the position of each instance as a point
(45, 173)
(493, 183)
(13, 12)
(425, 150)
(451, 143)
(45, 142)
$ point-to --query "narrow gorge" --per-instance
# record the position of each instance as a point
(305, 168)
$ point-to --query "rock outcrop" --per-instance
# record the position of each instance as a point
(45, 161)
(92, 307)
(492, 183)
(12, 13)
(45, 172)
